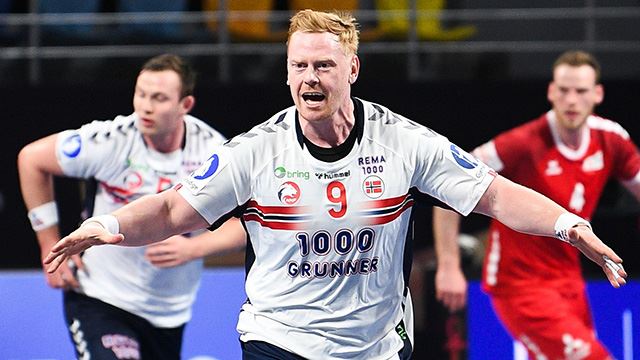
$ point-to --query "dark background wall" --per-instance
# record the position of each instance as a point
(468, 112)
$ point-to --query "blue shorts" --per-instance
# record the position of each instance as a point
(102, 331)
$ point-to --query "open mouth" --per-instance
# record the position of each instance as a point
(146, 122)
(313, 96)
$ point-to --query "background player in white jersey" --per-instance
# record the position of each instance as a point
(129, 302)
(326, 188)
(568, 154)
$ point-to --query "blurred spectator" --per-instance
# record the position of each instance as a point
(152, 30)
(72, 31)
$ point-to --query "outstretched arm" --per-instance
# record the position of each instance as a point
(451, 285)
(179, 249)
(151, 218)
(527, 211)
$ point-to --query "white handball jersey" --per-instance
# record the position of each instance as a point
(115, 154)
(329, 237)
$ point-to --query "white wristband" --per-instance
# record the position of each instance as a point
(109, 222)
(43, 216)
(565, 222)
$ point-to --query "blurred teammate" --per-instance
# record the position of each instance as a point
(129, 302)
(326, 187)
(568, 154)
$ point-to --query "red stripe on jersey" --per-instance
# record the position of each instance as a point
(383, 203)
(274, 210)
(390, 217)
(276, 225)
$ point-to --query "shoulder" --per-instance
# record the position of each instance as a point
(197, 127)
(524, 137)
(109, 130)
(608, 127)
(276, 131)
(385, 125)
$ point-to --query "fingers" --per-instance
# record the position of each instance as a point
(69, 281)
(63, 278)
(163, 258)
(77, 260)
(76, 242)
(593, 248)
(614, 271)
(453, 301)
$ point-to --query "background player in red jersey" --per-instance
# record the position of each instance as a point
(568, 154)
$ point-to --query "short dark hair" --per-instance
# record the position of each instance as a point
(177, 64)
(578, 58)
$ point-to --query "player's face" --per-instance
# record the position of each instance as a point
(319, 74)
(157, 102)
(573, 93)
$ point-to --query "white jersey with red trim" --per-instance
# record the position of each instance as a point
(329, 237)
(115, 154)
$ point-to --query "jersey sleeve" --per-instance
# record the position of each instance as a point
(218, 186)
(627, 164)
(488, 154)
(450, 174)
(91, 151)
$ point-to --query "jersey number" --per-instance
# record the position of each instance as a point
(337, 194)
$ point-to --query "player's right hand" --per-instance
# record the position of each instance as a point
(592, 247)
(451, 288)
(81, 239)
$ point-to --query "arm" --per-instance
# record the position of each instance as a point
(527, 211)
(149, 219)
(37, 164)
(179, 249)
(451, 285)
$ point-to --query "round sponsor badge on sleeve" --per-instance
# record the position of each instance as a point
(207, 171)
(72, 145)
(463, 158)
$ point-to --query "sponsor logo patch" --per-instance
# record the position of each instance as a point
(281, 172)
(463, 158)
(594, 162)
(72, 145)
(289, 193)
(373, 186)
(201, 176)
(208, 168)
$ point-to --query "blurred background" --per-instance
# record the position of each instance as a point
(467, 69)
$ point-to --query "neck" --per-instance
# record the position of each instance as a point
(572, 138)
(168, 142)
(332, 131)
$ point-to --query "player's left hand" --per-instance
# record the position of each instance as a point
(592, 247)
(173, 251)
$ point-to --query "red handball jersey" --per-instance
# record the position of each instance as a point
(533, 155)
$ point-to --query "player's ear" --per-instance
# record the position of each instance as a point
(187, 103)
(599, 94)
(355, 69)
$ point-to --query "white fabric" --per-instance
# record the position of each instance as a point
(565, 222)
(305, 216)
(107, 221)
(115, 154)
(43, 216)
